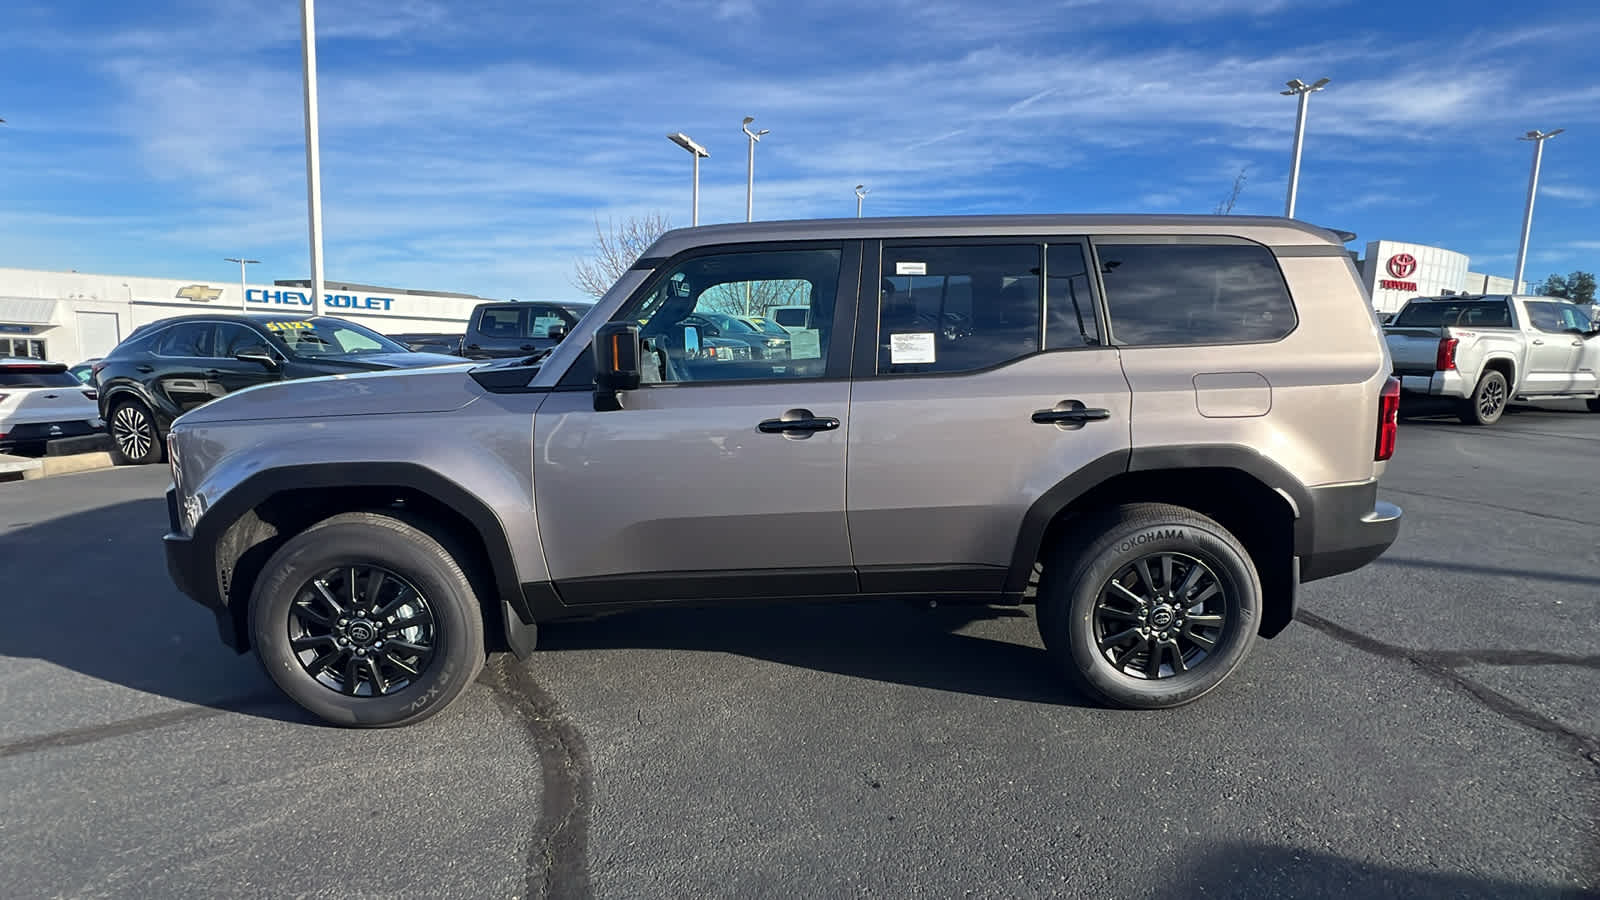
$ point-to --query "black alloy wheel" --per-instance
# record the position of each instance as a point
(362, 631)
(1160, 615)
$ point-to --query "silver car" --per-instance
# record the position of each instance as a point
(1152, 428)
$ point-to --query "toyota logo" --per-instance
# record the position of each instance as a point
(1401, 265)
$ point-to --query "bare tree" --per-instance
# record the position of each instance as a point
(1226, 206)
(616, 247)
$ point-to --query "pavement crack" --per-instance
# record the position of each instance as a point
(1441, 665)
(557, 864)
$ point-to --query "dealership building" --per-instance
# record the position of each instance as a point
(70, 316)
(1395, 271)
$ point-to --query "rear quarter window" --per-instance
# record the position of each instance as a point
(23, 377)
(1194, 293)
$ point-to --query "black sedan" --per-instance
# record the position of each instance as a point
(172, 366)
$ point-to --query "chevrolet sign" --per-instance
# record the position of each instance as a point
(205, 293)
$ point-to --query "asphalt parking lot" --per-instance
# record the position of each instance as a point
(1428, 728)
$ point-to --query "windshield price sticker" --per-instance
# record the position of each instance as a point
(280, 326)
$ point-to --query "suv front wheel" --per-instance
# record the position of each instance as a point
(1149, 606)
(366, 620)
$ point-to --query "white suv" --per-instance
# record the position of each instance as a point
(41, 401)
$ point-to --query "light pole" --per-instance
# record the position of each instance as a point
(861, 192)
(750, 173)
(1538, 138)
(308, 57)
(243, 306)
(1298, 87)
(687, 143)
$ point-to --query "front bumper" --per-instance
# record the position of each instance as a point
(1346, 528)
(193, 573)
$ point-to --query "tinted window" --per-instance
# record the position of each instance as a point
(1069, 304)
(1194, 293)
(502, 322)
(22, 377)
(188, 339)
(1557, 317)
(717, 295)
(1482, 313)
(230, 339)
(957, 308)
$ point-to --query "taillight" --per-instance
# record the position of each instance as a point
(1445, 359)
(94, 369)
(1388, 418)
(91, 393)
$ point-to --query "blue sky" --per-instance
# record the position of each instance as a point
(472, 146)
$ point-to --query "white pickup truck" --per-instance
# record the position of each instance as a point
(1484, 352)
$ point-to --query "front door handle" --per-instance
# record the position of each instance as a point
(1069, 416)
(798, 421)
(213, 373)
(528, 347)
(145, 369)
(1538, 340)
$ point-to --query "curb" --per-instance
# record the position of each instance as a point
(47, 466)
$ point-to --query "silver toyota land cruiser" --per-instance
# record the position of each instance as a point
(1154, 428)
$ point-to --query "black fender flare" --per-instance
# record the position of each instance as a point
(1175, 457)
(261, 486)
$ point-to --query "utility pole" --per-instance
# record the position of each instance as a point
(243, 291)
(1538, 138)
(308, 57)
(1298, 87)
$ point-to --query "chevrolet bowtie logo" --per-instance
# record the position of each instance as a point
(202, 292)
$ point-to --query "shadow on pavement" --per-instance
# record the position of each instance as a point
(89, 592)
(1260, 870)
(883, 640)
(1529, 574)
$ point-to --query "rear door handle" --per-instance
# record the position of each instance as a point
(1069, 416)
(798, 421)
(1538, 340)
(213, 373)
(528, 347)
(145, 369)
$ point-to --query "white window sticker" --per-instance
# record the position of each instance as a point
(805, 343)
(911, 268)
(911, 348)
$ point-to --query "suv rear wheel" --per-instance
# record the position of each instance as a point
(1149, 606)
(366, 620)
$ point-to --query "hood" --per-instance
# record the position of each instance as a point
(370, 361)
(391, 392)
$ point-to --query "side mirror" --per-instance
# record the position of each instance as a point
(556, 333)
(691, 341)
(616, 363)
(258, 354)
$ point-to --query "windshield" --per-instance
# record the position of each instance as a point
(322, 336)
(1477, 313)
(768, 326)
(727, 323)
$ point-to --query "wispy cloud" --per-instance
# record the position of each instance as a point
(1583, 196)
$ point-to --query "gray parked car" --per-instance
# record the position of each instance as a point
(1155, 428)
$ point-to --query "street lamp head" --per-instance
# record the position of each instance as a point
(1540, 135)
(687, 143)
(749, 119)
(1296, 86)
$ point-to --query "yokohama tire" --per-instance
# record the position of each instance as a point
(1074, 614)
(413, 558)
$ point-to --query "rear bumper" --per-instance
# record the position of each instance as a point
(1439, 384)
(1346, 528)
(38, 432)
(193, 574)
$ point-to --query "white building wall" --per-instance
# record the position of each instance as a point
(1433, 271)
(138, 301)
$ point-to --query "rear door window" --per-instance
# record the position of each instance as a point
(1177, 292)
(190, 339)
(506, 322)
(36, 377)
(956, 308)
